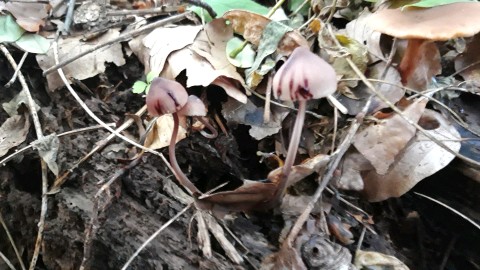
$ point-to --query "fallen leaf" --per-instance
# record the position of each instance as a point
(33, 43)
(161, 133)
(352, 166)
(30, 16)
(249, 114)
(10, 31)
(222, 6)
(84, 67)
(357, 52)
(420, 159)
(251, 27)
(161, 42)
(286, 258)
(47, 147)
(13, 105)
(13, 132)
(243, 59)
(377, 260)
(468, 62)
(359, 30)
(381, 143)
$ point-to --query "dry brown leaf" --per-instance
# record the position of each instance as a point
(30, 16)
(13, 132)
(421, 158)
(161, 42)
(161, 133)
(468, 58)
(251, 25)
(84, 67)
(359, 30)
(374, 260)
(381, 143)
(286, 258)
(353, 164)
(201, 72)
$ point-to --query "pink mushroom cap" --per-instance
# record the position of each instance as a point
(165, 96)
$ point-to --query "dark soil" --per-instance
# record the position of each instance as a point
(415, 230)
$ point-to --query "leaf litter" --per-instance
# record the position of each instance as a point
(386, 158)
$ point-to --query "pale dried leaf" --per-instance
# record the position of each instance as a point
(161, 133)
(30, 16)
(219, 234)
(251, 26)
(86, 66)
(47, 147)
(420, 159)
(13, 132)
(12, 106)
(359, 30)
(376, 260)
(201, 72)
(161, 42)
(203, 238)
(381, 143)
(353, 164)
(468, 59)
(299, 172)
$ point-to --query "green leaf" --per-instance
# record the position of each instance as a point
(434, 3)
(33, 43)
(222, 6)
(151, 75)
(245, 58)
(139, 87)
(10, 31)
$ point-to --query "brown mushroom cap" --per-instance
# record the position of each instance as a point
(304, 76)
(165, 96)
(193, 107)
(437, 23)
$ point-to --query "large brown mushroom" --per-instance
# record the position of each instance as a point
(420, 25)
(304, 76)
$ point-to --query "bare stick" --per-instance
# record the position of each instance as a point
(122, 37)
(150, 239)
(10, 238)
(38, 131)
(7, 261)
(14, 77)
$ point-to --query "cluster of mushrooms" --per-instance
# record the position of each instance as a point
(302, 77)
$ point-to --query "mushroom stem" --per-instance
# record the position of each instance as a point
(337, 104)
(410, 58)
(292, 147)
(213, 132)
(181, 177)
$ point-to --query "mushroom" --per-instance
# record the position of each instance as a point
(420, 25)
(167, 96)
(302, 77)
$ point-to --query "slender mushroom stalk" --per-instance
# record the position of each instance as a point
(423, 25)
(166, 96)
(196, 109)
(302, 77)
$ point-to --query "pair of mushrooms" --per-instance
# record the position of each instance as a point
(302, 77)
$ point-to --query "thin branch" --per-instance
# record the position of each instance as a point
(7, 261)
(38, 131)
(150, 239)
(14, 76)
(10, 238)
(121, 38)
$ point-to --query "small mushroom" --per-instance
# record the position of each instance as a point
(166, 96)
(420, 25)
(302, 77)
(195, 108)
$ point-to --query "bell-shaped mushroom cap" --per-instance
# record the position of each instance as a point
(304, 76)
(193, 107)
(437, 23)
(165, 96)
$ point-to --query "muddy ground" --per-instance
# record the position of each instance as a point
(417, 231)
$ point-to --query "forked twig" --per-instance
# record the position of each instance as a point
(38, 131)
(10, 238)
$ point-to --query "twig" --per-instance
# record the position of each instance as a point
(100, 145)
(38, 131)
(450, 246)
(98, 120)
(10, 238)
(71, 132)
(451, 209)
(333, 8)
(299, 8)
(68, 17)
(157, 10)
(204, 5)
(7, 261)
(390, 58)
(93, 226)
(122, 37)
(150, 239)
(14, 77)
